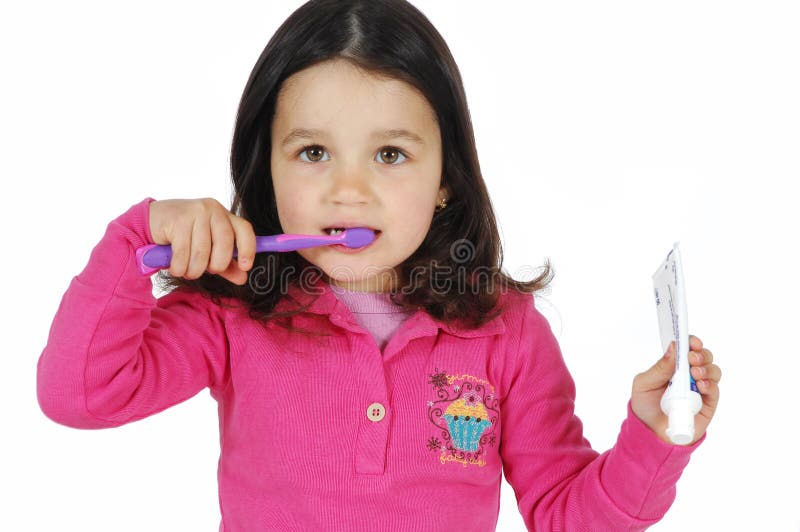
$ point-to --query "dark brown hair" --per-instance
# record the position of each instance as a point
(456, 273)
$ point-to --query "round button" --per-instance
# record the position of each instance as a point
(375, 412)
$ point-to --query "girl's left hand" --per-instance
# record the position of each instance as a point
(648, 387)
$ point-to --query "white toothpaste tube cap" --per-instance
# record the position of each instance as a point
(681, 422)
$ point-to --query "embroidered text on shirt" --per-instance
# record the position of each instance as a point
(466, 416)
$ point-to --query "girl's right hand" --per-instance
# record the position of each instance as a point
(202, 233)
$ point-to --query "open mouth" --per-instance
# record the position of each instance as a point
(333, 231)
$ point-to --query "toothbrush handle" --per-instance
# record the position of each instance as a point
(153, 257)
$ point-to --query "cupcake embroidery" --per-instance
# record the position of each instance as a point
(465, 414)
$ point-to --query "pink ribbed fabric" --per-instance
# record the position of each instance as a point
(330, 433)
(374, 311)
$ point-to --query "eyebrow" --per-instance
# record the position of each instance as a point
(305, 133)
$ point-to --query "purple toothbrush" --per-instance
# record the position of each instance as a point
(153, 257)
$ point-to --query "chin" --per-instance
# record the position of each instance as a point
(344, 274)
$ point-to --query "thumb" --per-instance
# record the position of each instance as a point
(659, 373)
(235, 274)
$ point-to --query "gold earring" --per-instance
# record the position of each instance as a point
(442, 204)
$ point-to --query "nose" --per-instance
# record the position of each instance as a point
(350, 186)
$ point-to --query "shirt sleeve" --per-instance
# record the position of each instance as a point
(560, 482)
(116, 354)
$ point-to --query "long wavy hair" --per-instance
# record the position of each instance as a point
(457, 270)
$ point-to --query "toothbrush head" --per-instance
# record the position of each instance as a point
(356, 237)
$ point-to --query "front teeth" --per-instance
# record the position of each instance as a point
(333, 232)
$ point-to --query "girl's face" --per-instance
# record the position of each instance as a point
(355, 166)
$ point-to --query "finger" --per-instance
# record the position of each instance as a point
(234, 274)
(658, 374)
(245, 242)
(707, 372)
(670, 349)
(710, 392)
(181, 243)
(201, 248)
(702, 357)
(695, 344)
(712, 372)
(221, 243)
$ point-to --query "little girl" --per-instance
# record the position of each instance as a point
(377, 388)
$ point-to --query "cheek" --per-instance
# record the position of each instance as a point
(412, 218)
(291, 203)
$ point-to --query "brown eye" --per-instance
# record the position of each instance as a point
(314, 153)
(390, 155)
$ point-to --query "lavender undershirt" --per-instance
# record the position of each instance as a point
(374, 311)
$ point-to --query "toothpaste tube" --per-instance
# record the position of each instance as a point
(681, 402)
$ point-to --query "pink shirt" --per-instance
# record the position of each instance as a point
(330, 433)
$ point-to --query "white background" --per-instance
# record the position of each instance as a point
(606, 132)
